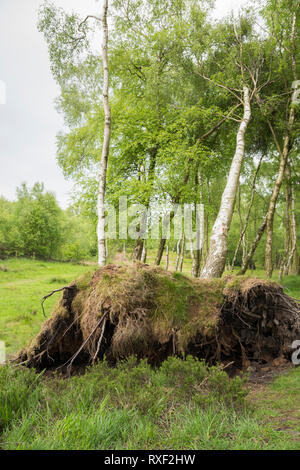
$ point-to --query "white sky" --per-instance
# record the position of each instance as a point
(28, 121)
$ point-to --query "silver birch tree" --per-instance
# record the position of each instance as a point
(216, 259)
(106, 141)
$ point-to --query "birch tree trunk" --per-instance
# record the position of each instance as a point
(167, 258)
(197, 254)
(167, 220)
(295, 268)
(199, 213)
(243, 241)
(138, 250)
(291, 228)
(206, 243)
(253, 248)
(178, 254)
(247, 217)
(193, 257)
(162, 243)
(270, 214)
(283, 163)
(293, 232)
(287, 228)
(267, 223)
(144, 252)
(216, 259)
(160, 251)
(106, 141)
(274, 197)
(182, 254)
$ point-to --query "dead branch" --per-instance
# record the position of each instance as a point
(100, 339)
(83, 344)
(51, 293)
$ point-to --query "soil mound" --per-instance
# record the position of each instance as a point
(139, 310)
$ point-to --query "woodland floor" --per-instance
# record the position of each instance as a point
(269, 418)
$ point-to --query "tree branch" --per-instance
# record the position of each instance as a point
(216, 126)
(230, 90)
(86, 18)
(51, 293)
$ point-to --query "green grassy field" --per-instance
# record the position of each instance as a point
(183, 405)
(21, 288)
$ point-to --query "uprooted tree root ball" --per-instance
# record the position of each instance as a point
(140, 310)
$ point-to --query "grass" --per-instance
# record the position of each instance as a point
(280, 406)
(21, 288)
(182, 405)
(133, 406)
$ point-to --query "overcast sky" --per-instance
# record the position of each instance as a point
(28, 120)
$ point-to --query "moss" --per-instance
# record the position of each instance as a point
(79, 301)
(179, 276)
(172, 297)
(235, 284)
(203, 311)
(60, 311)
(84, 281)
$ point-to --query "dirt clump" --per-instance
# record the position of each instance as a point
(139, 310)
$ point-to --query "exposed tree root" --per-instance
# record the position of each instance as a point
(50, 294)
(135, 309)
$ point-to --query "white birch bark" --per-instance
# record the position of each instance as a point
(196, 253)
(167, 258)
(273, 201)
(293, 232)
(201, 227)
(182, 253)
(283, 162)
(106, 141)
(144, 252)
(178, 254)
(267, 223)
(216, 259)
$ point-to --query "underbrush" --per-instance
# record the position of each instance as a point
(181, 405)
